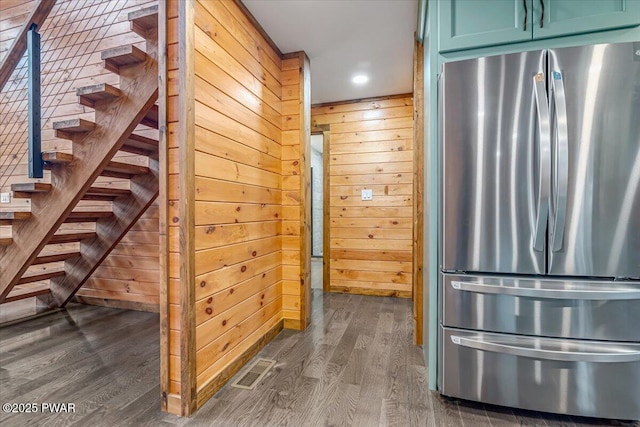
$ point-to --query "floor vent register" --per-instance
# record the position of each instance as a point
(254, 374)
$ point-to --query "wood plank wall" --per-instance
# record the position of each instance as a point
(296, 182)
(72, 39)
(251, 114)
(238, 225)
(371, 147)
(13, 13)
(171, 382)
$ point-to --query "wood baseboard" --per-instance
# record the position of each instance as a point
(295, 324)
(216, 383)
(370, 292)
(174, 405)
(114, 303)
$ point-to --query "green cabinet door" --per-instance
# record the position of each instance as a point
(465, 24)
(552, 18)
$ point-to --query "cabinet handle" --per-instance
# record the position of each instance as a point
(526, 12)
(542, 14)
(595, 353)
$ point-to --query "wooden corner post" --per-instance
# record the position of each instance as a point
(163, 178)
(186, 132)
(305, 190)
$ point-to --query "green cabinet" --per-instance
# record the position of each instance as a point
(553, 18)
(466, 24)
(471, 23)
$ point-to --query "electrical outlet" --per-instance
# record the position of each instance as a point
(367, 194)
(5, 197)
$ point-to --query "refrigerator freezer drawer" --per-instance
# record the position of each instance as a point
(581, 309)
(586, 378)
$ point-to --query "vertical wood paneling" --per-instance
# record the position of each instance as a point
(187, 238)
(163, 203)
(418, 189)
(371, 242)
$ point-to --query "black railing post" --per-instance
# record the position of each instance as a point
(35, 146)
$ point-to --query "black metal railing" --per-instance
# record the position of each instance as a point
(34, 120)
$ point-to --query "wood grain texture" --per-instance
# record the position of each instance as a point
(40, 12)
(92, 154)
(326, 217)
(296, 213)
(163, 203)
(371, 147)
(356, 364)
(72, 37)
(418, 190)
(238, 214)
(187, 239)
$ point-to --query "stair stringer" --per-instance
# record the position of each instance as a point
(115, 121)
(126, 211)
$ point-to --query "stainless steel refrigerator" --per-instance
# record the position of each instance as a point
(539, 283)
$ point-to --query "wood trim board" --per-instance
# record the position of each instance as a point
(163, 194)
(215, 384)
(418, 189)
(186, 131)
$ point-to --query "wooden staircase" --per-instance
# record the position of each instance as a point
(30, 259)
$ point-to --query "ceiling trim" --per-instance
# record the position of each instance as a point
(355, 101)
(261, 30)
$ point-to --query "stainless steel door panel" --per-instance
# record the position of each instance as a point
(600, 236)
(587, 378)
(574, 308)
(490, 158)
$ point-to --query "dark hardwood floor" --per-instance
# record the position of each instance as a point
(355, 365)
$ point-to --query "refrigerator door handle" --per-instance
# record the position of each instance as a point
(600, 294)
(562, 161)
(544, 129)
(595, 354)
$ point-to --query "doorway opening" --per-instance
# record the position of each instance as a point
(317, 208)
(320, 256)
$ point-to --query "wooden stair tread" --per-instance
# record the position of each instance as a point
(56, 157)
(27, 189)
(40, 276)
(25, 291)
(151, 117)
(89, 95)
(140, 71)
(123, 170)
(138, 144)
(144, 20)
(5, 241)
(71, 237)
(66, 129)
(74, 125)
(88, 216)
(104, 194)
(57, 257)
(7, 218)
(31, 187)
(121, 56)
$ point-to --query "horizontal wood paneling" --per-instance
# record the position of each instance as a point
(238, 187)
(175, 175)
(72, 38)
(296, 213)
(371, 147)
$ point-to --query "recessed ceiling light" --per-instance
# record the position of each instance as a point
(360, 79)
